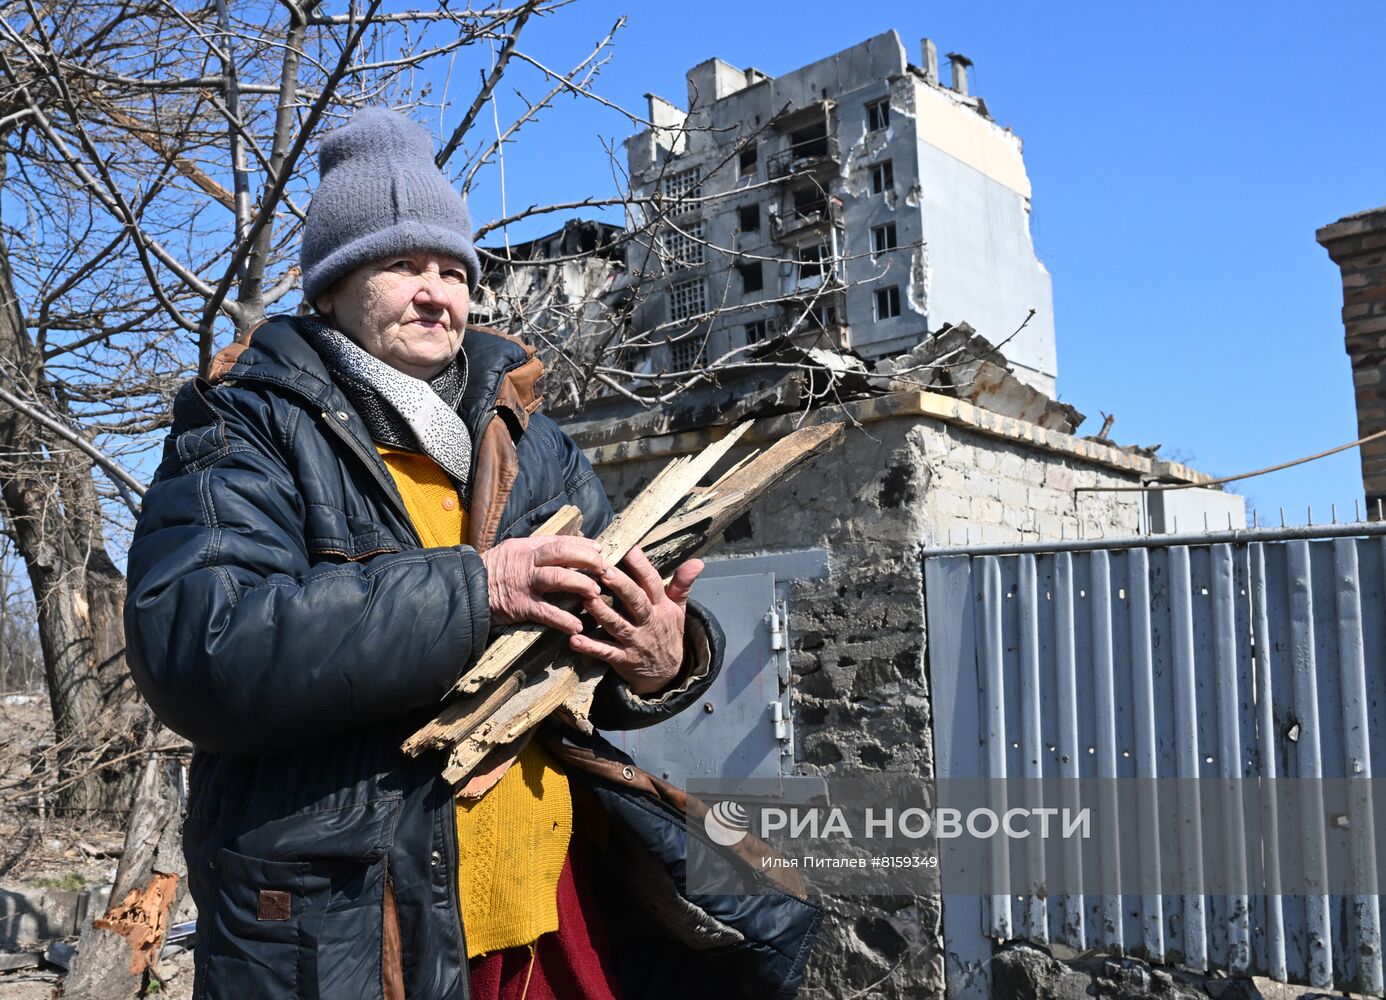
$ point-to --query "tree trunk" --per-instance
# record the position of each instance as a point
(50, 506)
(119, 952)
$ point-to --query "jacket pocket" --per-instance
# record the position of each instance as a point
(332, 533)
(260, 939)
(310, 930)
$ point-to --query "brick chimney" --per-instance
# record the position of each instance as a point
(1357, 245)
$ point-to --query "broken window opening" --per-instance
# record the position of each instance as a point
(748, 218)
(882, 177)
(752, 276)
(878, 115)
(821, 317)
(757, 331)
(809, 141)
(887, 302)
(811, 261)
(681, 190)
(687, 299)
(687, 354)
(810, 199)
(683, 249)
(882, 239)
(746, 161)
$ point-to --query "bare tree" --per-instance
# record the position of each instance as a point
(155, 176)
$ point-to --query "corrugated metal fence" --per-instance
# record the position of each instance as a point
(1246, 655)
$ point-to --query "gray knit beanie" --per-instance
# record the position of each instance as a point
(378, 194)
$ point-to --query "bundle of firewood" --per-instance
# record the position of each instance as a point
(528, 673)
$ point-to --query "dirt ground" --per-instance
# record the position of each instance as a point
(38, 846)
(42, 849)
(177, 973)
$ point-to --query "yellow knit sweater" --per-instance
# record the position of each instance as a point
(513, 840)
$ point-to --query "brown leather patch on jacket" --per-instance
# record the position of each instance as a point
(520, 390)
(225, 359)
(497, 464)
(604, 767)
(274, 904)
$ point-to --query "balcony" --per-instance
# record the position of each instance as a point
(803, 156)
(803, 218)
(815, 318)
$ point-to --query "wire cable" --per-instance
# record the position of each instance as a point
(1228, 479)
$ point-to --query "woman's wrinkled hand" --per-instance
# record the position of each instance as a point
(522, 572)
(645, 645)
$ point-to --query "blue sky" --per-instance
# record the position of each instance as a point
(1182, 156)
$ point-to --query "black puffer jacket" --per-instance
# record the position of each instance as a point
(283, 616)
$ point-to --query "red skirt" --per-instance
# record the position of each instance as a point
(572, 963)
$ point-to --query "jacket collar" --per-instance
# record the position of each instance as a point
(502, 372)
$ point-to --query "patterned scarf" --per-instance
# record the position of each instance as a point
(399, 409)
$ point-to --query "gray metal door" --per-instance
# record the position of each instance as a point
(741, 727)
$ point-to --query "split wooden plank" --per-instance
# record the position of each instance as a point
(457, 718)
(566, 520)
(678, 539)
(578, 705)
(644, 512)
(463, 717)
(556, 681)
(535, 703)
(684, 522)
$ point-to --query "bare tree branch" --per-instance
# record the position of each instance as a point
(488, 85)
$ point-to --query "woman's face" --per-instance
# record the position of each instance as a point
(409, 311)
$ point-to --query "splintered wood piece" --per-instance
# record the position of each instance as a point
(566, 520)
(578, 705)
(680, 523)
(662, 495)
(747, 460)
(645, 511)
(141, 918)
(783, 459)
(534, 703)
(671, 543)
(459, 718)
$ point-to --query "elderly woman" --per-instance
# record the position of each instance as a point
(339, 521)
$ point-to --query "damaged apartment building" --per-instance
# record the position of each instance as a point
(856, 204)
(853, 228)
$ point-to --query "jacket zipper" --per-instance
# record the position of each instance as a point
(377, 470)
(451, 856)
(452, 864)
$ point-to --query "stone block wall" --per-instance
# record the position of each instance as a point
(861, 698)
(1357, 245)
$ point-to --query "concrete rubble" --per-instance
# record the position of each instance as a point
(781, 377)
(958, 361)
(1027, 970)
